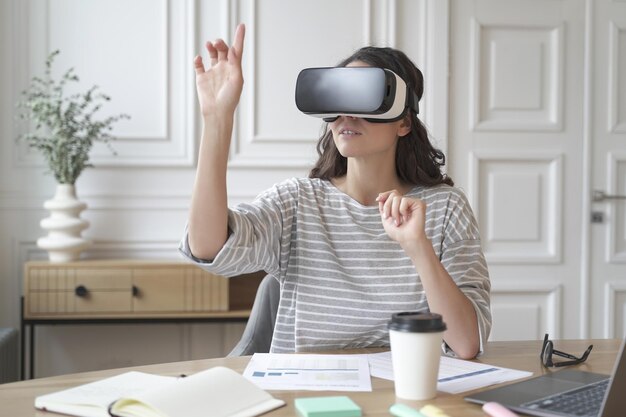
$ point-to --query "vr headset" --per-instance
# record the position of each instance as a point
(375, 94)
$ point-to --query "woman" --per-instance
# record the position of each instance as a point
(375, 229)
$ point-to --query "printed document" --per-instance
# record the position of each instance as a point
(285, 371)
(455, 375)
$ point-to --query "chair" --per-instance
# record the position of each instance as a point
(9, 355)
(257, 335)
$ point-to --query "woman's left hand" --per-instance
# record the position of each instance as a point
(404, 220)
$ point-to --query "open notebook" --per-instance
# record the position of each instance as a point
(218, 392)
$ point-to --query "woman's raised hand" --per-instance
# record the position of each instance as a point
(219, 87)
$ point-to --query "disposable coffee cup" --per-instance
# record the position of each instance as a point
(415, 339)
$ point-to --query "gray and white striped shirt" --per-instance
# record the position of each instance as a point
(341, 276)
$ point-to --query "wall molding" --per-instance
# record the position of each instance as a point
(546, 119)
(551, 251)
(551, 293)
(614, 124)
(379, 22)
(611, 292)
(174, 145)
(615, 237)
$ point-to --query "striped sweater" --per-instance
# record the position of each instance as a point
(341, 276)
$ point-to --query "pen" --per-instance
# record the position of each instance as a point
(498, 410)
(401, 410)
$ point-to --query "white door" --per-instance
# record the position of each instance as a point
(608, 143)
(516, 147)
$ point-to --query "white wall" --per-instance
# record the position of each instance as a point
(140, 52)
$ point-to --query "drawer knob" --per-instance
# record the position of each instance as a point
(81, 291)
(136, 291)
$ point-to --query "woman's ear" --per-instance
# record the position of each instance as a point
(405, 126)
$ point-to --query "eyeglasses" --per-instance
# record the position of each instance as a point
(548, 350)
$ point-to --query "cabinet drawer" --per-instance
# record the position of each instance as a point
(67, 279)
(62, 291)
(68, 303)
(104, 302)
(158, 290)
(114, 279)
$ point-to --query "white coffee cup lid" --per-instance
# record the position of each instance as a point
(416, 321)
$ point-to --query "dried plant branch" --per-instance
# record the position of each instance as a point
(65, 127)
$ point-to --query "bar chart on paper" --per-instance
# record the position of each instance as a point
(278, 371)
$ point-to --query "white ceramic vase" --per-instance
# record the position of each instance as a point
(64, 242)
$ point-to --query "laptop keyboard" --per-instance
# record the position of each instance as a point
(585, 401)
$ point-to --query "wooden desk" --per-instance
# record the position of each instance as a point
(17, 399)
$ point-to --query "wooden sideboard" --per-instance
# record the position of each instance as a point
(128, 291)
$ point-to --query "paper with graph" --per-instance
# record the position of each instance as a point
(285, 371)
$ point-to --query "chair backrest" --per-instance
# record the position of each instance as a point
(257, 336)
(9, 355)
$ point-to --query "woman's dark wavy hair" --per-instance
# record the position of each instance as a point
(417, 161)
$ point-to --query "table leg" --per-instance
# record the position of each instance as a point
(32, 351)
(22, 342)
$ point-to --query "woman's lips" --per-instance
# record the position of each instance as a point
(348, 132)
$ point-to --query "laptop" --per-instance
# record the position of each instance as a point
(570, 392)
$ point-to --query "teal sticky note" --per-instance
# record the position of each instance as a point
(339, 406)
